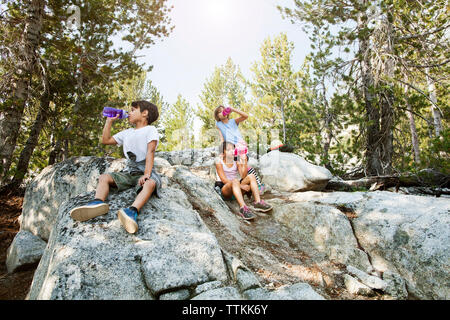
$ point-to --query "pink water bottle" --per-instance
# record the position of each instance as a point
(112, 112)
(226, 111)
(240, 148)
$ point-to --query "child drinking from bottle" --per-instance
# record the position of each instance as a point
(228, 128)
(233, 180)
(229, 132)
(139, 145)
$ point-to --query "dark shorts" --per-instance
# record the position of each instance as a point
(220, 184)
(126, 180)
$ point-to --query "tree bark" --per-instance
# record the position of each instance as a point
(26, 61)
(437, 181)
(412, 127)
(30, 145)
(327, 125)
(373, 153)
(55, 154)
(434, 110)
(387, 101)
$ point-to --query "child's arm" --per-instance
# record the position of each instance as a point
(221, 173)
(242, 167)
(243, 116)
(149, 160)
(221, 136)
(106, 135)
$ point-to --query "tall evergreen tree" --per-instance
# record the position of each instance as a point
(178, 125)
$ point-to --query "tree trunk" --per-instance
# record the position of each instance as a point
(55, 153)
(373, 153)
(387, 101)
(11, 118)
(284, 122)
(25, 155)
(327, 125)
(412, 126)
(434, 110)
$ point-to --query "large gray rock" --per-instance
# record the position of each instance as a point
(26, 249)
(404, 234)
(324, 228)
(298, 291)
(225, 293)
(56, 184)
(98, 259)
(203, 196)
(59, 182)
(290, 172)
(367, 279)
(357, 288)
(408, 235)
(396, 286)
(180, 250)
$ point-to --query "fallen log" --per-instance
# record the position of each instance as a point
(433, 185)
(374, 183)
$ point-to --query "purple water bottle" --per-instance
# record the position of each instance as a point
(112, 112)
(226, 111)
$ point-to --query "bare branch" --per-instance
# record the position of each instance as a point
(421, 92)
(414, 36)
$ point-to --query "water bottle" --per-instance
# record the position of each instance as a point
(240, 148)
(112, 112)
(226, 111)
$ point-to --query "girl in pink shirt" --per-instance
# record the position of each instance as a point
(233, 180)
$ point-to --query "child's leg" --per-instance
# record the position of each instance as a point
(102, 190)
(95, 208)
(144, 195)
(251, 180)
(233, 188)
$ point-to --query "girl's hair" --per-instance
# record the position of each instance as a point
(224, 145)
(216, 113)
(153, 113)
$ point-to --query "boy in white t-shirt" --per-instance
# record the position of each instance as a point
(139, 145)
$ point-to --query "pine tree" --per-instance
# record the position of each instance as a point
(178, 125)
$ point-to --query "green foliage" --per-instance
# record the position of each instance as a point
(178, 124)
(82, 71)
(227, 87)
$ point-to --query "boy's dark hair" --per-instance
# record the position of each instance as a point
(223, 146)
(153, 113)
(216, 113)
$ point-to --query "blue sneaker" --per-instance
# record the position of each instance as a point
(93, 209)
(128, 219)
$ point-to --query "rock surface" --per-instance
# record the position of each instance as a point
(290, 172)
(191, 244)
(25, 250)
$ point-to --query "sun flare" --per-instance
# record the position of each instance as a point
(217, 9)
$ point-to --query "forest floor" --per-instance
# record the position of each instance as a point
(13, 286)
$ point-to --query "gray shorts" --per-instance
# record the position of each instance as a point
(126, 180)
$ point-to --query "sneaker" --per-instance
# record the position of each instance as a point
(262, 206)
(246, 213)
(93, 209)
(128, 219)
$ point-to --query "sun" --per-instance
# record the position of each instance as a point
(217, 9)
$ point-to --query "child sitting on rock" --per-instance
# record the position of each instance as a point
(139, 145)
(229, 132)
(231, 187)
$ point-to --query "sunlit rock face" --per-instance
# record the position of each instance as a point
(191, 244)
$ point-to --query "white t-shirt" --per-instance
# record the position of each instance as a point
(136, 140)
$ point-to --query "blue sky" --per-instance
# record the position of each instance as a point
(206, 33)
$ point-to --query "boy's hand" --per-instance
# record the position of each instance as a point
(143, 179)
(108, 119)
